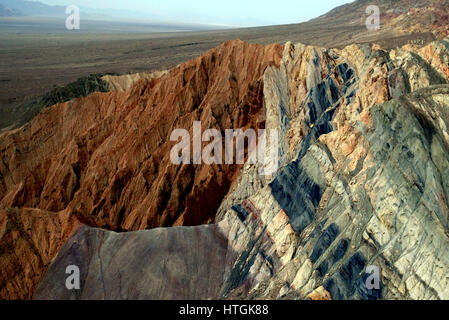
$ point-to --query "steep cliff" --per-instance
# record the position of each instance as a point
(104, 160)
(363, 181)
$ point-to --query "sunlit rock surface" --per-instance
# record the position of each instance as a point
(104, 160)
(363, 181)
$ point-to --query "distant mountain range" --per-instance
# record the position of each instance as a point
(8, 12)
(10, 8)
(29, 8)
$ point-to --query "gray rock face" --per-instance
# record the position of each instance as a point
(363, 182)
(175, 263)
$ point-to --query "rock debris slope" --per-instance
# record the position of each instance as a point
(401, 22)
(363, 180)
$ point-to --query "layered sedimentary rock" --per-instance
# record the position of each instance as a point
(363, 181)
(30, 239)
(104, 160)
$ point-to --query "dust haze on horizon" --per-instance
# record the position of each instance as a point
(232, 13)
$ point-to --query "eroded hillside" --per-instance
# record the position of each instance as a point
(363, 181)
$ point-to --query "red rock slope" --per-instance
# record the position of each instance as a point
(106, 157)
(104, 160)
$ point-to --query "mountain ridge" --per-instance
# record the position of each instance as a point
(367, 74)
(363, 180)
(342, 201)
(33, 8)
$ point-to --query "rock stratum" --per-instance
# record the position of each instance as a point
(363, 181)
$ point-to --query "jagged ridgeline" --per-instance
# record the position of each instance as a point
(29, 109)
(363, 182)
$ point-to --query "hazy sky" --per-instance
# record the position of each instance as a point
(223, 12)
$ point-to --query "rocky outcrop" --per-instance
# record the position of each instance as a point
(194, 267)
(104, 160)
(30, 239)
(363, 181)
(126, 82)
